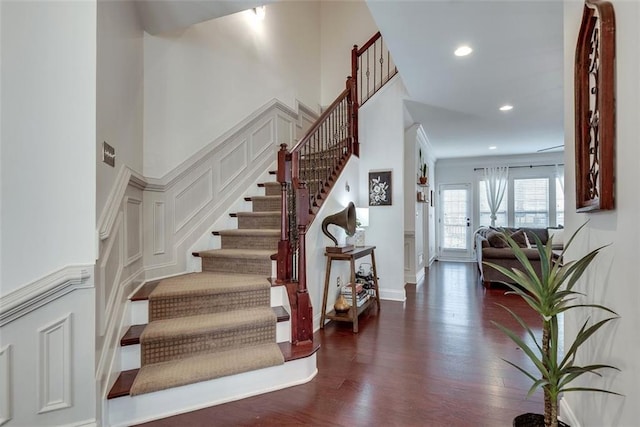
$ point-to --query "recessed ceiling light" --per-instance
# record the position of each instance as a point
(492, 147)
(463, 51)
(506, 107)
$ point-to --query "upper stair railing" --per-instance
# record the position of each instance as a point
(371, 68)
(308, 171)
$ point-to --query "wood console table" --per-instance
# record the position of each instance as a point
(354, 312)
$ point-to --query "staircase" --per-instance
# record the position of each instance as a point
(195, 337)
(225, 333)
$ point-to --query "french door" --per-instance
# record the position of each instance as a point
(455, 221)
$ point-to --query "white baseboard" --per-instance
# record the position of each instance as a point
(393, 295)
(85, 423)
(566, 414)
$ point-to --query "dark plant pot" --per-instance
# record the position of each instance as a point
(532, 420)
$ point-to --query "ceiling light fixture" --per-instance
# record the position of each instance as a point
(492, 147)
(463, 51)
(506, 107)
(260, 12)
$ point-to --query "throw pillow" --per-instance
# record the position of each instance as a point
(520, 238)
(557, 234)
(496, 240)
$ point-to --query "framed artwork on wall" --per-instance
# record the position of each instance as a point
(595, 118)
(380, 188)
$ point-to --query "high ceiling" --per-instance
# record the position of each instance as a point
(159, 16)
(517, 59)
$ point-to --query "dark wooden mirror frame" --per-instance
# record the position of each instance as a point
(595, 119)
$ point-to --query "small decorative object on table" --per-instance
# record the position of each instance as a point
(345, 219)
(341, 305)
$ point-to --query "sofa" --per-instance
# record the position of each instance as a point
(491, 247)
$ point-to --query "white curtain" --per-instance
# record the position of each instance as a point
(560, 176)
(496, 179)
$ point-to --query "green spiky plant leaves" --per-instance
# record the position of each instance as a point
(551, 294)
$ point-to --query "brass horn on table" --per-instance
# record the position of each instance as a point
(345, 219)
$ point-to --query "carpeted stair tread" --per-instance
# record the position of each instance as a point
(206, 283)
(238, 253)
(207, 323)
(160, 376)
(250, 232)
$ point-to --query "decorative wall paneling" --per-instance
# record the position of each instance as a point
(46, 374)
(119, 268)
(6, 384)
(42, 291)
(182, 206)
(55, 370)
(409, 249)
(158, 227)
(133, 229)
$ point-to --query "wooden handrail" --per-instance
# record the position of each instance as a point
(372, 53)
(368, 44)
(321, 119)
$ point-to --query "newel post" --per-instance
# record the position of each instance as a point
(284, 268)
(304, 313)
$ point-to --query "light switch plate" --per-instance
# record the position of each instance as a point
(108, 154)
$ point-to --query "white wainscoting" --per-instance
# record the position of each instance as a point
(409, 257)
(5, 385)
(181, 207)
(55, 369)
(47, 360)
(119, 269)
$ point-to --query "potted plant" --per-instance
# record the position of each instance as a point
(422, 169)
(423, 176)
(551, 294)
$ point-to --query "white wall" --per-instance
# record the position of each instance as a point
(202, 81)
(382, 148)
(343, 24)
(48, 132)
(120, 74)
(613, 278)
(48, 176)
(317, 241)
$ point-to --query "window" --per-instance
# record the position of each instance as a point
(485, 213)
(559, 202)
(531, 202)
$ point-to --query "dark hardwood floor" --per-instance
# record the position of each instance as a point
(434, 360)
